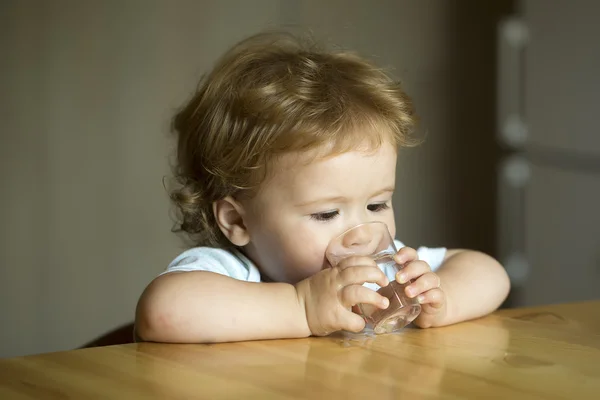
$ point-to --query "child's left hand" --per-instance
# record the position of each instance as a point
(425, 286)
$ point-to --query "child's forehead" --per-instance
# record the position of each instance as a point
(322, 164)
(299, 163)
(318, 155)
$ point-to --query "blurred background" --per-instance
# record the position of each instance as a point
(507, 92)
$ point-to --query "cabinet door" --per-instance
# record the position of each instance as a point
(562, 236)
(561, 85)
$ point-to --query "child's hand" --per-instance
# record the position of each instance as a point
(426, 287)
(329, 295)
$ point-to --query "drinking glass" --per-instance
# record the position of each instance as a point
(373, 239)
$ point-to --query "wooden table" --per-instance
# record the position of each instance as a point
(546, 352)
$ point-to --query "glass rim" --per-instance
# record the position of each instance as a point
(363, 224)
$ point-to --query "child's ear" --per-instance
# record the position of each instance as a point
(229, 215)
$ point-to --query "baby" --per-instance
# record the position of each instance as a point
(283, 147)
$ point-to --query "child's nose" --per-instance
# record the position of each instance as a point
(358, 237)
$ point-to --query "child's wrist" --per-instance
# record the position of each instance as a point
(302, 289)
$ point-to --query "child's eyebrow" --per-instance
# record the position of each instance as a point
(335, 199)
(342, 199)
(389, 189)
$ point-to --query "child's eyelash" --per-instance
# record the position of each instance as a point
(325, 216)
(378, 207)
(329, 215)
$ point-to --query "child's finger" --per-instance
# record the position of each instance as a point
(424, 283)
(412, 271)
(359, 274)
(434, 297)
(352, 322)
(356, 294)
(406, 255)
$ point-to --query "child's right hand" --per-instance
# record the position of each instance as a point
(329, 295)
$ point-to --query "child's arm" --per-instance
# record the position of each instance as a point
(205, 307)
(475, 285)
(467, 285)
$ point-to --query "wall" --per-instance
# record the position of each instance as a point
(88, 89)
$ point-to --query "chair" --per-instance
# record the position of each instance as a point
(121, 335)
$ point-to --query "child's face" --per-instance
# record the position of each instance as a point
(304, 205)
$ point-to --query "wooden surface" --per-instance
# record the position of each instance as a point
(547, 353)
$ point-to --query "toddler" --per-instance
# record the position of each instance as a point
(281, 148)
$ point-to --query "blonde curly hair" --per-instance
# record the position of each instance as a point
(271, 94)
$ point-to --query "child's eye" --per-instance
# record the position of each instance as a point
(325, 216)
(378, 207)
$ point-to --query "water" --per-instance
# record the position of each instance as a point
(402, 309)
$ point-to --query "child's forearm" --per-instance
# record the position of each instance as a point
(475, 285)
(204, 307)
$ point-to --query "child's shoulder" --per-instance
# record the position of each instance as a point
(229, 262)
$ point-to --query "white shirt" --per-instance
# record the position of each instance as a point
(234, 264)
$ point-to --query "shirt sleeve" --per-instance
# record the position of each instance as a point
(215, 260)
(434, 256)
